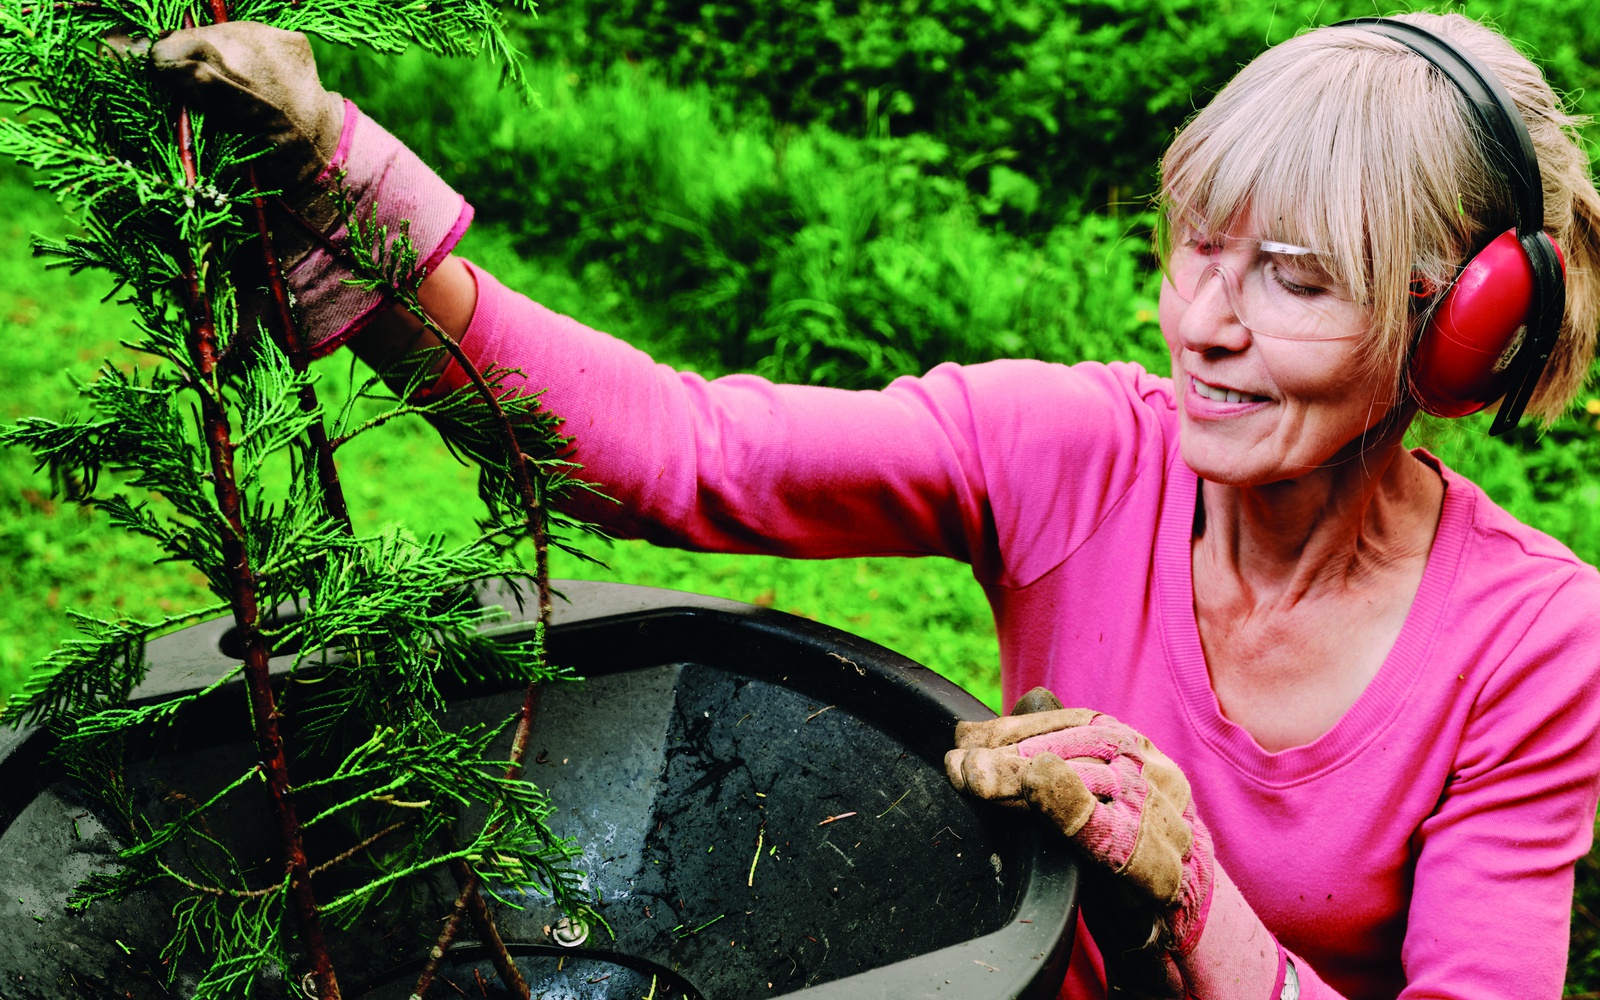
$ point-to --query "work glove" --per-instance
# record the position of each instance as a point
(255, 79)
(1154, 879)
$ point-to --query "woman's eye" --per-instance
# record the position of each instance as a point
(1303, 285)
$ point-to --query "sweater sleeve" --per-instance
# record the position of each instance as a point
(739, 464)
(1491, 910)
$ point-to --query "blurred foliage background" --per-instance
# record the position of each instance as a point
(832, 191)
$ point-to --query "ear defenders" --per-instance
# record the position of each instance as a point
(1490, 334)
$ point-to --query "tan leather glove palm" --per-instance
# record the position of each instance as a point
(1125, 805)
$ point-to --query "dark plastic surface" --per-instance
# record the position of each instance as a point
(703, 726)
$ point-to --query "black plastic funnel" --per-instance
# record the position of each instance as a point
(704, 728)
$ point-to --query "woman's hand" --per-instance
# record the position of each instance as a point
(1127, 807)
(259, 80)
(1107, 788)
(256, 79)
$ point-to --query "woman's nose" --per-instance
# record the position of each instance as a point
(1210, 320)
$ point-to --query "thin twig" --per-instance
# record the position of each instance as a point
(702, 927)
(893, 804)
(835, 819)
(534, 508)
(351, 852)
(471, 889)
(290, 342)
(374, 423)
(212, 890)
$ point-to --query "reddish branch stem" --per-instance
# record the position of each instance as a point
(471, 905)
(289, 341)
(471, 896)
(531, 501)
(246, 610)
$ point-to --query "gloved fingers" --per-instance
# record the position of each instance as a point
(1101, 742)
(244, 54)
(1016, 728)
(211, 68)
(1104, 781)
(1055, 790)
(1143, 840)
(993, 774)
(260, 78)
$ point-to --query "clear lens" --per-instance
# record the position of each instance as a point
(1274, 289)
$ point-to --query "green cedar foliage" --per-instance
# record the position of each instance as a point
(378, 626)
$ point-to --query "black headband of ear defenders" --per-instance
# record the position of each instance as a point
(1507, 141)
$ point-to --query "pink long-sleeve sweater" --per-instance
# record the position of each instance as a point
(1422, 847)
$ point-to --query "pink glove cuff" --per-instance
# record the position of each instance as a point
(389, 184)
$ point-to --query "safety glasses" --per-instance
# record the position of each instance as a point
(1275, 289)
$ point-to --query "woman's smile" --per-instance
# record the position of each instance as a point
(1224, 394)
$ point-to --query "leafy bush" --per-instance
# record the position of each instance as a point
(807, 256)
(1077, 96)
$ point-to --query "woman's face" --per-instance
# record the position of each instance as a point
(1255, 409)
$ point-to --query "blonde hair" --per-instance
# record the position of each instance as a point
(1347, 141)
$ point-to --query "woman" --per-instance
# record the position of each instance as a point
(1375, 691)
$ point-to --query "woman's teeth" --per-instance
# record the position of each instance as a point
(1221, 395)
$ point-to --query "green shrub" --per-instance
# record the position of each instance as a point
(1078, 96)
(807, 256)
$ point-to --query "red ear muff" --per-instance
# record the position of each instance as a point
(1462, 360)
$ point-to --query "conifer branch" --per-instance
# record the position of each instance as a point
(386, 615)
(246, 612)
(288, 333)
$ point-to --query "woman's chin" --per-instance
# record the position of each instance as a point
(1227, 459)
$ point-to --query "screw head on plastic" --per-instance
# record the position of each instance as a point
(569, 933)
